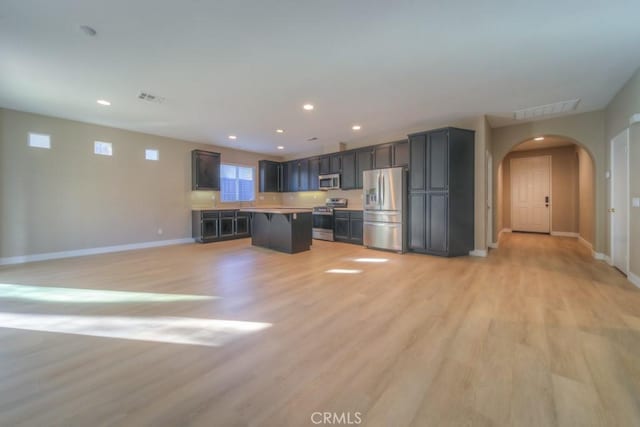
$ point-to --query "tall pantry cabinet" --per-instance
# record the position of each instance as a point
(441, 192)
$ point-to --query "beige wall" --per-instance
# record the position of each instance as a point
(586, 199)
(67, 198)
(564, 187)
(625, 104)
(588, 130)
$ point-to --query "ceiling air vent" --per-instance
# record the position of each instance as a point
(145, 96)
(546, 110)
(313, 138)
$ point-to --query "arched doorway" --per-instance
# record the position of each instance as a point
(572, 187)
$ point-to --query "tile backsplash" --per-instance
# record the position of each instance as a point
(301, 199)
(308, 199)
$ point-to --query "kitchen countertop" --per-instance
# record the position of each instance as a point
(282, 211)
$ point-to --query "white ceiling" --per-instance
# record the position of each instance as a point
(245, 67)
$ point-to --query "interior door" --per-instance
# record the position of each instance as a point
(619, 210)
(531, 194)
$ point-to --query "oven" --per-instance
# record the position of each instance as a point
(322, 228)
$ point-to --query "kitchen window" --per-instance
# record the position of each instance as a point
(236, 183)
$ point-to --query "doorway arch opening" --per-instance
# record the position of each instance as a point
(561, 203)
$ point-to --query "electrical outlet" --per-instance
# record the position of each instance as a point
(213, 197)
(160, 231)
(635, 202)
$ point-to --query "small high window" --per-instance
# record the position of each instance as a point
(151, 154)
(39, 140)
(103, 148)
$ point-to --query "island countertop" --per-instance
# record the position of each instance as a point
(281, 211)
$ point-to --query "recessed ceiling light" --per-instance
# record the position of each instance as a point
(539, 138)
(280, 147)
(308, 107)
(356, 127)
(280, 130)
(103, 102)
(233, 137)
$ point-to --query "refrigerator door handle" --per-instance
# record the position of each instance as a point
(383, 191)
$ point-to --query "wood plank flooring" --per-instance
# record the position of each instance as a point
(537, 334)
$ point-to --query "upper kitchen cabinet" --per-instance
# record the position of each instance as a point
(364, 162)
(269, 176)
(325, 165)
(401, 153)
(292, 173)
(205, 170)
(382, 156)
(314, 173)
(348, 171)
(335, 163)
(303, 175)
(441, 192)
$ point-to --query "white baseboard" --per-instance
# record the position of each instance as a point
(478, 252)
(494, 245)
(633, 278)
(91, 251)
(582, 241)
(564, 234)
(504, 230)
(602, 257)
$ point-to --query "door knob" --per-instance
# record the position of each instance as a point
(613, 210)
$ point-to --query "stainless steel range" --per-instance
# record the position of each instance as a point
(323, 218)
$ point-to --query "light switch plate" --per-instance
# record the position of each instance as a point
(635, 202)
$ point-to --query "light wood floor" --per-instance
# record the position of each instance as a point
(538, 334)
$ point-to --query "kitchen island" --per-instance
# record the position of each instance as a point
(281, 229)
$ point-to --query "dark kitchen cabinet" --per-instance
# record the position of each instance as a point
(205, 226)
(335, 163)
(269, 176)
(401, 154)
(303, 175)
(205, 170)
(364, 162)
(382, 156)
(314, 173)
(242, 226)
(214, 225)
(441, 192)
(347, 226)
(293, 176)
(348, 172)
(325, 165)
(341, 227)
(227, 224)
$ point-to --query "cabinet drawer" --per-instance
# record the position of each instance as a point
(209, 215)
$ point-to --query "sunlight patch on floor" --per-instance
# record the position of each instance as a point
(174, 330)
(74, 295)
(371, 260)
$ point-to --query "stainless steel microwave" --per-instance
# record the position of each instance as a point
(329, 182)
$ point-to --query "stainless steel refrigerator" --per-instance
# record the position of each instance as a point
(384, 199)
